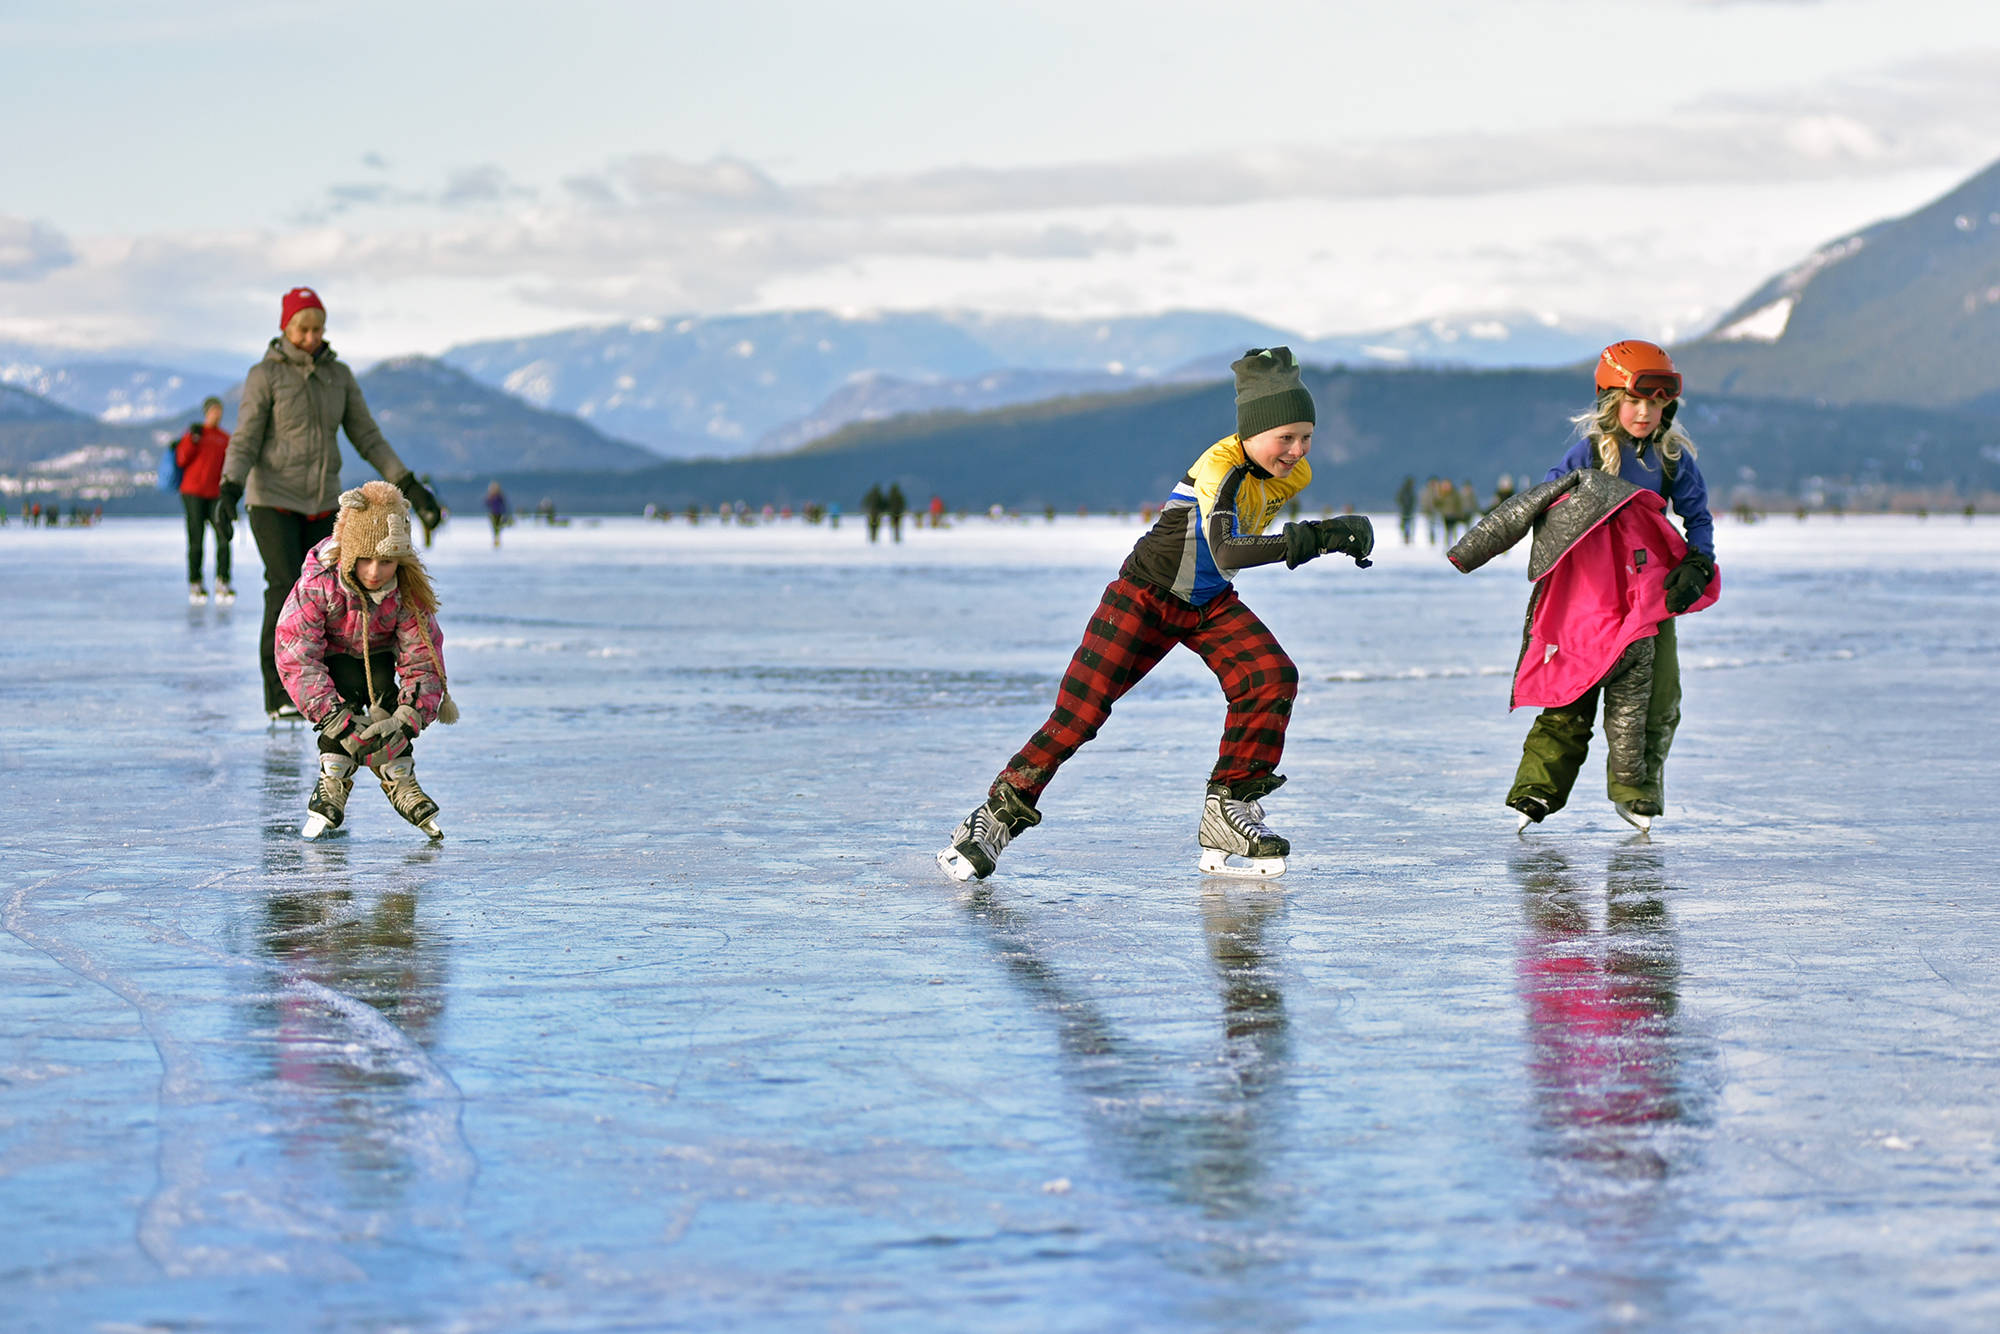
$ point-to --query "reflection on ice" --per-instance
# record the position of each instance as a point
(1206, 1141)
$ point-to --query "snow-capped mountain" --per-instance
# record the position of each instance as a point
(729, 385)
(1903, 311)
(719, 385)
(117, 391)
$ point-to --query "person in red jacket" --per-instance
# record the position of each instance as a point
(200, 454)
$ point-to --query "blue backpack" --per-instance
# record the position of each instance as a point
(170, 468)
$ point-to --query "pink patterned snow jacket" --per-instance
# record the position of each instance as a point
(322, 615)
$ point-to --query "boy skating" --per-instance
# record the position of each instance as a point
(1176, 588)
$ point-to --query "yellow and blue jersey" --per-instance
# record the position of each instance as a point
(1213, 525)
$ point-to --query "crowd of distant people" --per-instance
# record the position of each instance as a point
(37, 515)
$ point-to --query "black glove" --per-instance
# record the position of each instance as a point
(1351, 534)
(1311, 538)
(421, 500)
(1687, 581)
(225, 510)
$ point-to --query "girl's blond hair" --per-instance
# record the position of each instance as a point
(1600, 427)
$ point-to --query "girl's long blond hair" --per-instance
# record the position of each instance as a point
(1600, 426)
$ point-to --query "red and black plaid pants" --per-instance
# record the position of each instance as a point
(1132, 629)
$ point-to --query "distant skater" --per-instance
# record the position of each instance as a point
(872, 505)
(1177, 587)
(359, 648)
(200, 454)
(285, 460)
(496, 509)
(1406, 509)
(897, 507)
(1610, 575)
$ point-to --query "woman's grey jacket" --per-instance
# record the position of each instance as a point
(285, 453)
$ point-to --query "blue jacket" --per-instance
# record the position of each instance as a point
(1689, 495)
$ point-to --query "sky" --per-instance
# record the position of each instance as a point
(444, 172)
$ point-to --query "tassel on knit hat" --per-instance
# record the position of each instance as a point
(374, 524)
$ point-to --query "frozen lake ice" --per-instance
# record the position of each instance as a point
(680, 1027)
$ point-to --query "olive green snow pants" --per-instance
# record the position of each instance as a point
(1553, 752)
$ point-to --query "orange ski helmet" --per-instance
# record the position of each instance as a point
(1641, 369)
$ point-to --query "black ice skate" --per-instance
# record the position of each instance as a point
(981, 836)
(1234, 838)
(327, 806)
(399, 784)
(1533, 811)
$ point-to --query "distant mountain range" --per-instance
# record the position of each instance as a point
(1127, 450)
(1874, 362)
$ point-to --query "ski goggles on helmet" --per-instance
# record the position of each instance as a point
(1657, 385)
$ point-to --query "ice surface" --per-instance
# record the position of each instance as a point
(680, 1027)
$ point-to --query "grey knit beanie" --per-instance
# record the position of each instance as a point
(1268, 391)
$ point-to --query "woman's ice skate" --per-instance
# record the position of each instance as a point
(399, 784)
(1235, 828)
(981, 836)
(328, 803)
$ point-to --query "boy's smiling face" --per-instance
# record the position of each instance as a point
(1278, 450)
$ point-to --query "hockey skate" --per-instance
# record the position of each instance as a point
(981, 836)
(1234, 838)
(399, 784)
(327, 806)
(225, 596)
(1533, 810)
(197, 596)
(1633, 816)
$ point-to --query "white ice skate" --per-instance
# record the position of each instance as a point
(327, 806)
(980, 838)
(197, 596)
(225, 596)
(1235, 840)
(399, 784)
(1642, 823)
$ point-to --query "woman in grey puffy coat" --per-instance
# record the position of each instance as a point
(285, 461)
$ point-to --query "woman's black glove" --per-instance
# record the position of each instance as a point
(225, 508)
(1687, 581)
(1311, 538)
(421, 500)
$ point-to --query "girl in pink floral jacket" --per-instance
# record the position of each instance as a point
(358, 650)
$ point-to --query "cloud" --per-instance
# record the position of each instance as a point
(30, 250)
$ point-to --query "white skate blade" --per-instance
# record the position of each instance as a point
(314, 826)
(954, 864)
(1642, 823)
(1214, 861)
(1521, 829)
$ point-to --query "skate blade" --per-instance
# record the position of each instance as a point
(1216, 862)
(1527, 823)
(1642, 823)
(954, 864)
(314, 826)
(430, 827)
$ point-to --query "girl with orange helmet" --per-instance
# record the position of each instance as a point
(1638, 576)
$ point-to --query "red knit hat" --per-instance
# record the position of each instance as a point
(296, 300)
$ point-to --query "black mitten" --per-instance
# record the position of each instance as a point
(1687, 581)
(1302, 543)
(1351, 534)
(421, 500)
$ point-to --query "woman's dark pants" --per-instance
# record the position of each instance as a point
(283, 539)
(200, 517)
